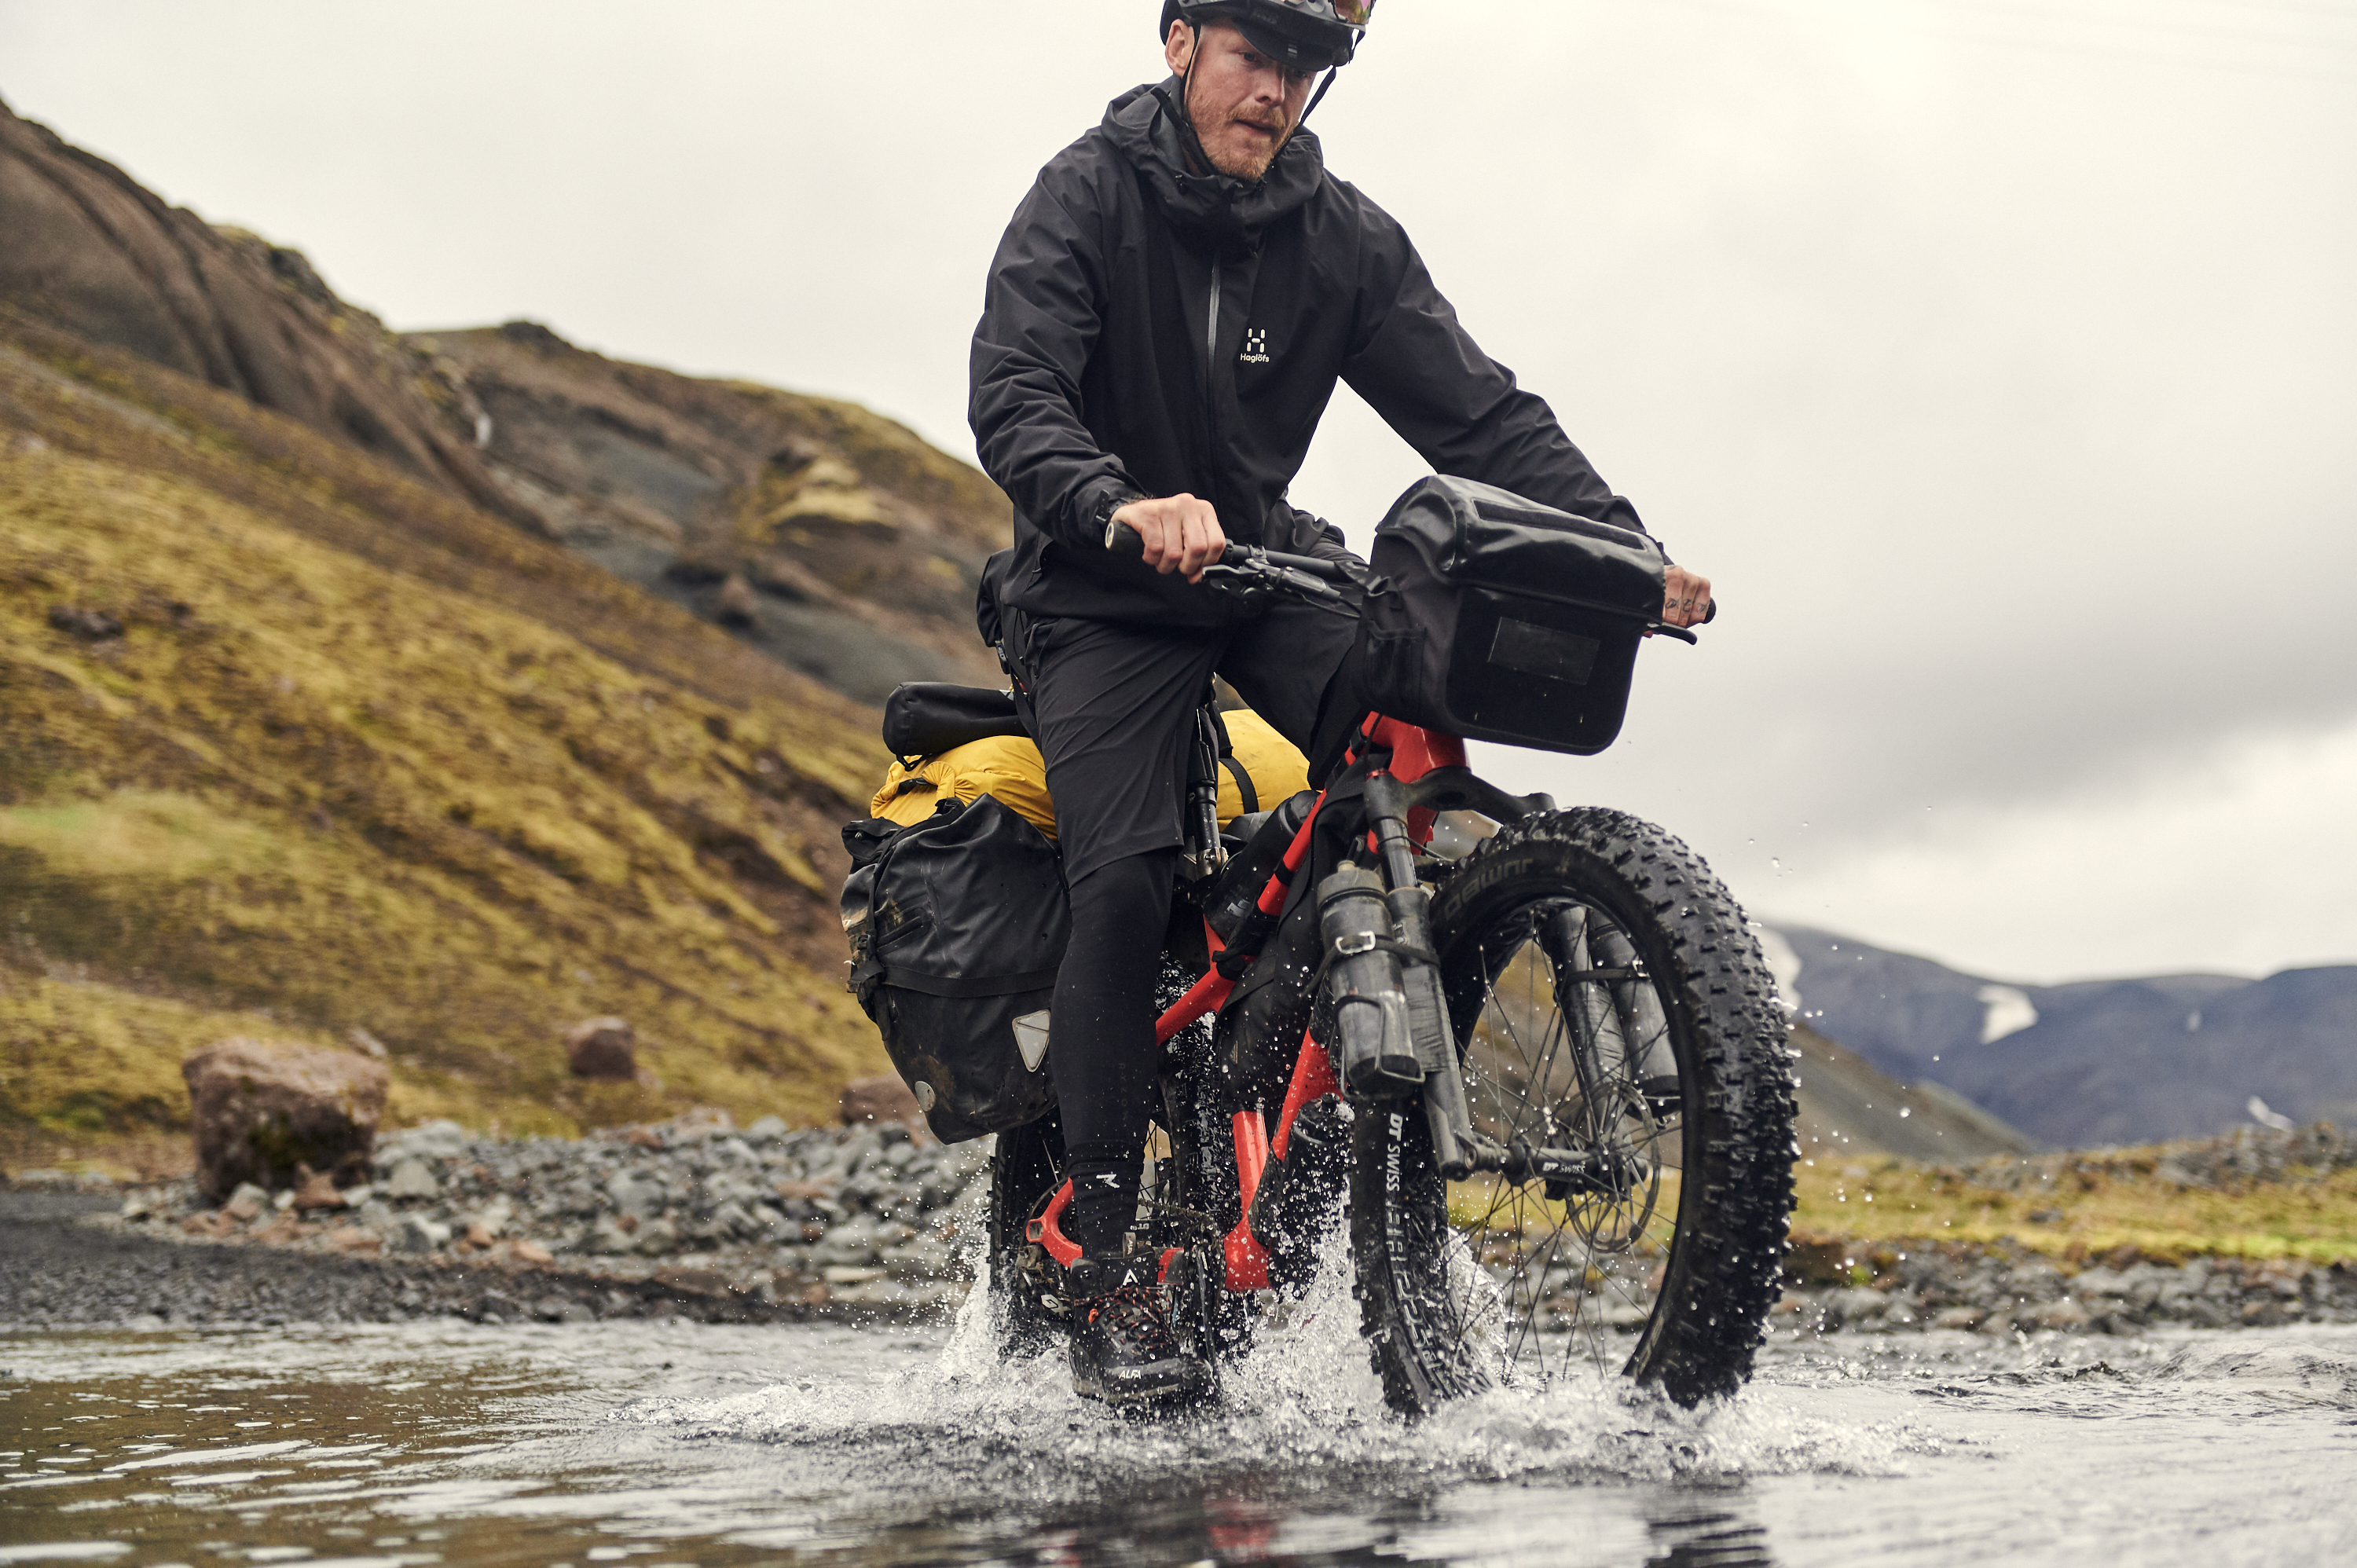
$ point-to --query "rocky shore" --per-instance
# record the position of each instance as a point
(696, 1217)
(2004, 1288)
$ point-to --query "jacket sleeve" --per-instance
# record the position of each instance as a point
(1416, 366)
(1039, 323)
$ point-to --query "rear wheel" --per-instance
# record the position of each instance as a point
(1027, 1166)
(1608, 997)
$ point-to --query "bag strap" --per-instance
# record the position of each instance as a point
(964, 986)
(1244, 791)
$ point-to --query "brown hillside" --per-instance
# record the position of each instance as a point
(831, 539)
(85, 248)
(363, 757)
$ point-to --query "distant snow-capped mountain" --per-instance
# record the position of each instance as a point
(2101, 1061)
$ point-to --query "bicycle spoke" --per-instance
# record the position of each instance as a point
(1559, 1059)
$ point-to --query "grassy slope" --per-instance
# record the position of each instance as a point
(350, 765)
(2079, 1207)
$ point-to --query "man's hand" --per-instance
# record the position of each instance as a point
(1685, 599)
(1181, 533)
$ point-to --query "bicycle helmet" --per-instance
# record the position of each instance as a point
(1306, 35)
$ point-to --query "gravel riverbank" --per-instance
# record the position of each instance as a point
(694, 1215)
(701, 1218)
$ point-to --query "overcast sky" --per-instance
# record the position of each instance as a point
(1996, 358)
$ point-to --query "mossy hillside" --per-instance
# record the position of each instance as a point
(349, 763)
(887, 452)
(2079, 1207)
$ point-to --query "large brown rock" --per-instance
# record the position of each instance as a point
(262, 1110)
(881, 1099)
(602, 1047)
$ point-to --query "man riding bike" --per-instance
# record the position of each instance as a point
(1165, 321)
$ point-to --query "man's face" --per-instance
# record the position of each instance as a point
(1244, 103)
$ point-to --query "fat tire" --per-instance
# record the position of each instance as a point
(1729, 1034)
(1026, 1163)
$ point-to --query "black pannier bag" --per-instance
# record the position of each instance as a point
(957, 925)
(1502, 619)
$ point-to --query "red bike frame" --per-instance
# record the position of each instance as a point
(1414, 752)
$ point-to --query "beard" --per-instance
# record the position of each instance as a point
(1238, 157)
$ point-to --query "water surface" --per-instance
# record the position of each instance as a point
(673, 1442)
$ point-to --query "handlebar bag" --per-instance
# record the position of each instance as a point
(957, 924)
(1501, 620)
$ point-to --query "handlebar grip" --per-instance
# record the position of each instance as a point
(1711, 614)
(1122, 540)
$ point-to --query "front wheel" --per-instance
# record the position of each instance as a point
(1608, 997)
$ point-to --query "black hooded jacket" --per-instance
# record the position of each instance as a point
(1148, 330)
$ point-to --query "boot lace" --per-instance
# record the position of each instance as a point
(1135, 1309)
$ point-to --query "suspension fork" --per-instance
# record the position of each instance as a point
(1457, 1148)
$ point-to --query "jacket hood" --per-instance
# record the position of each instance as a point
(1143, 125)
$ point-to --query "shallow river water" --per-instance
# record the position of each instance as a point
(674, 1443)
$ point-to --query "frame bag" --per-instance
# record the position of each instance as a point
(957, 925)
(1498, 619)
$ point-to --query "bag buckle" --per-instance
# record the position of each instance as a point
(1352, 943)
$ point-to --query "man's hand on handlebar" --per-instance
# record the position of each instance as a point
(1180, 533)
(1685, 599)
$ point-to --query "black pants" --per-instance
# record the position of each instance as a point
(1113, 707)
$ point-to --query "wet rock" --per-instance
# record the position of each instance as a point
(411, 1179)
(436, 1140)
(415, 1233)
(878, 1100)
(2063, 1315)
(609, 1237)
(246, 1204)
(258, 1109)
(602, 1048)
(1854, 1308)
(316, 1190)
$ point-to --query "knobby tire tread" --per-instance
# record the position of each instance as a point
(1729, 1033)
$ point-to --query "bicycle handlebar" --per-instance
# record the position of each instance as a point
(1123, 540)
(1272, 566)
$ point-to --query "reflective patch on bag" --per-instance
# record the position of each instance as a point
(1544, 651)
(1031, 1039)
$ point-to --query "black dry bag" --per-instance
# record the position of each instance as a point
(1499, 618)
(957, 925)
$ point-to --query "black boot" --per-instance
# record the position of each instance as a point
(1124, 1351)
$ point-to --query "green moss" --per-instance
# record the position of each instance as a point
(2313, 1215)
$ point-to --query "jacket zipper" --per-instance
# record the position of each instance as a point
(1211, 327)
(1211, 367)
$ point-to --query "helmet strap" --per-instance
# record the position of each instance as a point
(1315, 99)
(1192, 143)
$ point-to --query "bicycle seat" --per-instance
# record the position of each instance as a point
(924, 718)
